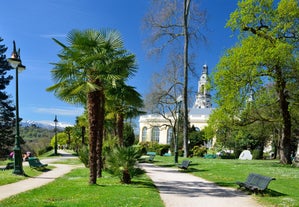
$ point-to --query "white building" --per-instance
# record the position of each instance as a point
(154, 127)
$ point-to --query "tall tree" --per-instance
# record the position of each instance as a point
(123, 102)
(266, 54)
(91, 62)
(175, 24)
(7, 117)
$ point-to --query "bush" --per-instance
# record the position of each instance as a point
(121, 162)
(257, 154)
(83, 154)
(159, 149)
(163, 149)
(199, 151)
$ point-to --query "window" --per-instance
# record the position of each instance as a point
(169, 135)
(155, 134)
(144, 134)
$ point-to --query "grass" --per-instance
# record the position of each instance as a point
(7, 176)
(73, 190)
(283, 191)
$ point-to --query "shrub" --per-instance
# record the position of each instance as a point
(199, 151)
(121, 162)
(83, 154)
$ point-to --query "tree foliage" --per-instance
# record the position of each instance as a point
(7, 116)
(90, 64)
(256, 80)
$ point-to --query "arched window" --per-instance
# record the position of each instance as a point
(169, 135)
(155, 134)
(144, 134)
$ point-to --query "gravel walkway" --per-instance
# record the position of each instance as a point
(179, 189)
(43, 179)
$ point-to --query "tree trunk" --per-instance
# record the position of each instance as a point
(286, 139)
(186, 67)
(126, 177)
(83, 134)
(120, 127)
(100, 134)
(93, 103)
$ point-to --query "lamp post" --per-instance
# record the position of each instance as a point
(176, 143)
(15, 62)
(55, 130)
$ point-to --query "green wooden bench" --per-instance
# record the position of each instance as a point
(151, 156)
(36, 164)
(210, 156)
(9, 166)
(185, 164)
(255, 182)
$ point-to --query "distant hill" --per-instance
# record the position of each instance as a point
(44, 124)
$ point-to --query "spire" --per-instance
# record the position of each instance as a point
(203, 97)
(205, 69)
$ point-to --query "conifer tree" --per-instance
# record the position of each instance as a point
(7, 116)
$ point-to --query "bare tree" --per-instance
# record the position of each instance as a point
(174, 26)
(164, 99)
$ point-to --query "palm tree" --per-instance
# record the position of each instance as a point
(123, 102)
(91, 62)
(121, 162)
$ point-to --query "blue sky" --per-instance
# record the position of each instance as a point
(33, 23)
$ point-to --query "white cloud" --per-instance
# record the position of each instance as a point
(52, 35)
(60, 111)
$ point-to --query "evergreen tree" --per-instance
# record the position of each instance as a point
(7, 116)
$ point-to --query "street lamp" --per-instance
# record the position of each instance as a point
(15, 62)
(55, 129)
(176, 143)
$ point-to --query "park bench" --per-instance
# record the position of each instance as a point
(185, 164)
(210, 156)
(255, 182)
(36, 164)
(9, 165)
(151, 156)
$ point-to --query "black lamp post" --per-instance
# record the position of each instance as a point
(176, 143)
(55, 129)
(15, 62)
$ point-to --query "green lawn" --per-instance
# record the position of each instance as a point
(73, 189)
(8, 177)
(284, 191)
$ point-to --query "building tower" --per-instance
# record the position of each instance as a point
(203, 96)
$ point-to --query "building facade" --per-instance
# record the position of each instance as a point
(154, 128)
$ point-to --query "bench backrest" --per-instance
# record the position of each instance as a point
(185, 163)
(261, 181)
(33, 161)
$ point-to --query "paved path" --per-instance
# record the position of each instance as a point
(43, 179)
(178, 189)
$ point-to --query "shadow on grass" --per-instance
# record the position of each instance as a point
(226, 184)
(266, 193)
(273, 193)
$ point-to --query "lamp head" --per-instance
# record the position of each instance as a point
(55, 120)
(14, 60)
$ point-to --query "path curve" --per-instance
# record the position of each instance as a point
(43, 179)
(179, 189)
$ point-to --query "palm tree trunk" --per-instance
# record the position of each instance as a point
(120, 127)
(101, 134)
(93, 108)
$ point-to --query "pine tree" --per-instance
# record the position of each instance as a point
(7, 116)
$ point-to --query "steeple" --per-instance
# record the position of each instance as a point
(203, 97)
